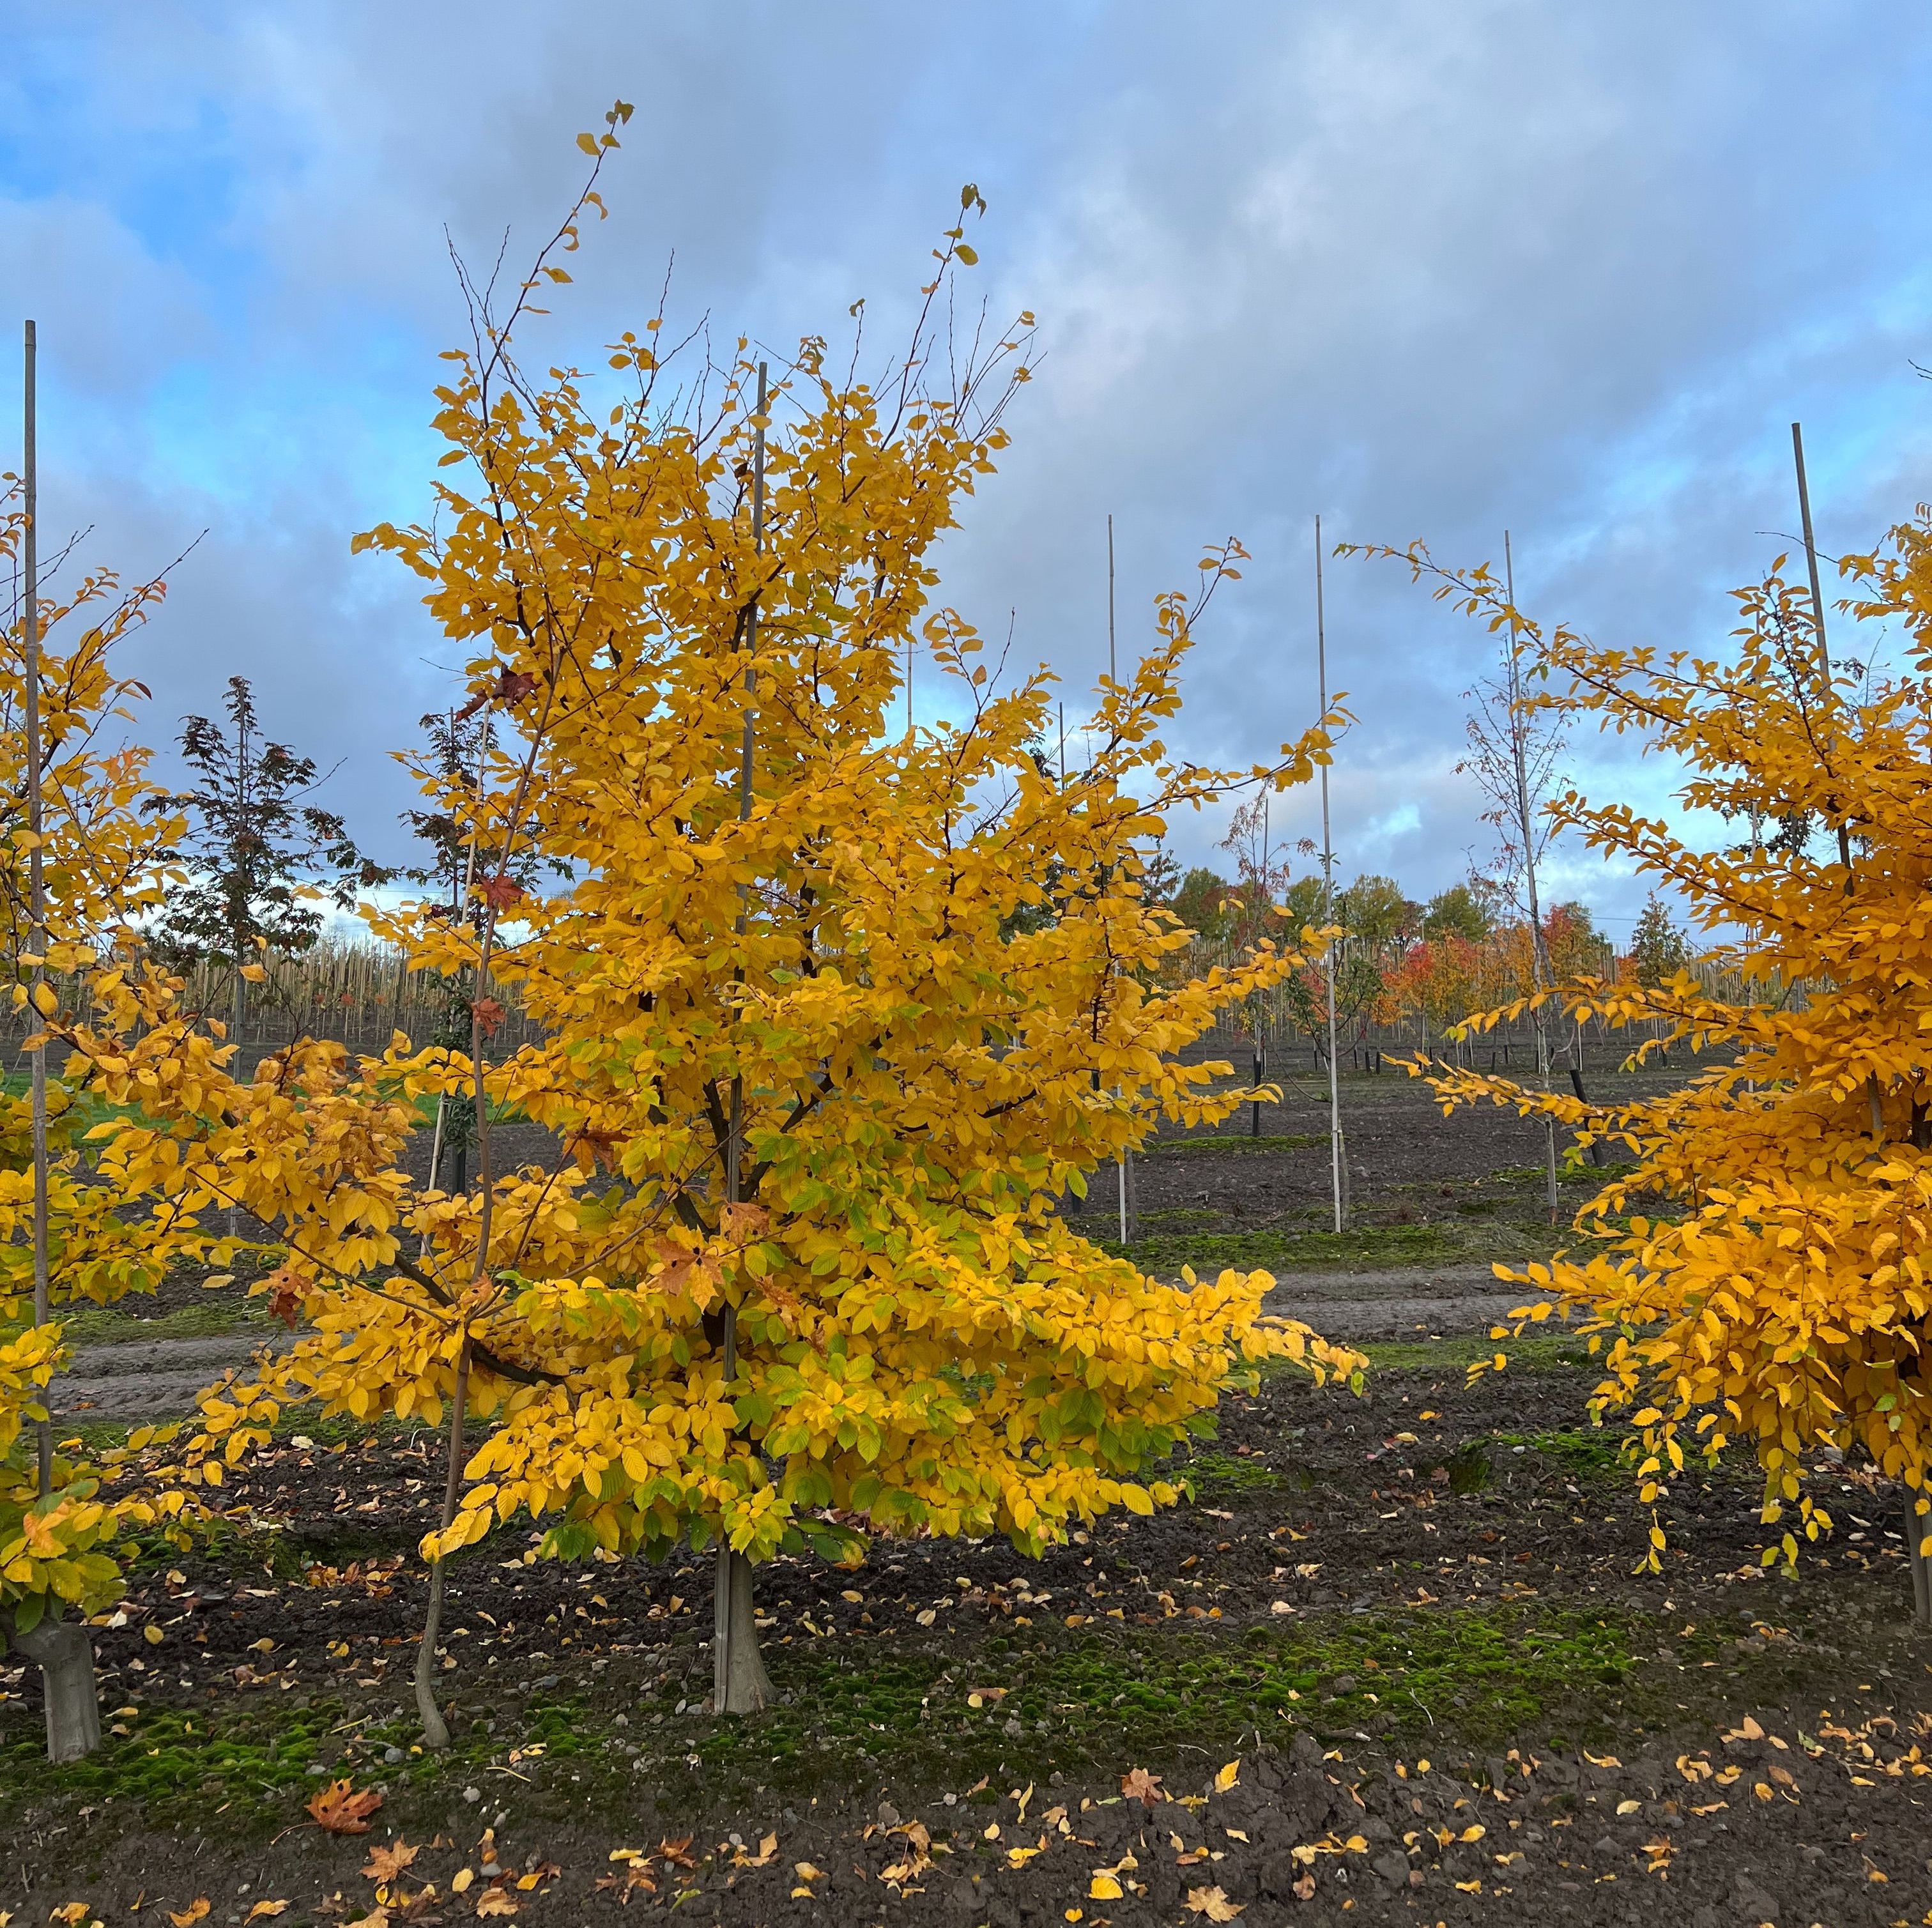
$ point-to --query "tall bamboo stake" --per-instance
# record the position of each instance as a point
(739, 1682)
(1337, 1151)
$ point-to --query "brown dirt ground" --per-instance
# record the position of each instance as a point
(1326, 1527)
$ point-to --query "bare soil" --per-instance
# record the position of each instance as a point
(1431, 1572)
(1409, 1620)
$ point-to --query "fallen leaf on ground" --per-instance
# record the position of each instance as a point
(460, 1880)
(1104, 1887)
(387, 1861)
(678, 1852)
(1227, 1777)
(494, 1901)
(264, 1911)
(340, 1809)
(1212, 1903)
(187, 1918)
(1137, 1784)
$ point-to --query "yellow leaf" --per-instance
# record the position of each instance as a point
(1103, 1887)
(1227, 1777)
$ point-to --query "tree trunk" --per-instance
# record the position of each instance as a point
(1918, 1527)
(435, 1730)
(64, 1652)
(739, 1683)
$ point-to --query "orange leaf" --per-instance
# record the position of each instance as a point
(386, 1862)
(340, 1809)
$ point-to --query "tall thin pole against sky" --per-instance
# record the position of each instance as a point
(36, 891)
(1113, 669)
(1113, 675)
(1336, 1154)
(739, 1681)
(1874, 1094)
(1817, 607)
(1810, 546)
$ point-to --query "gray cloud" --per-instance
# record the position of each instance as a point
(1428, 272)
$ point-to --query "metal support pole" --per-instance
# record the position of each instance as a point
(37, 895)
(1337, 1150)
(739, 1683)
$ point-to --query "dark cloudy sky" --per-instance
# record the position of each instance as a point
(1429, 270)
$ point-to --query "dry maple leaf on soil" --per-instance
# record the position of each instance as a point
(388, 1860)
(1211, 1903)
(1137, 1784)
(635, 1878)
(340, 1809)
(187, 1918)
(266, 1910)
(494, 1901)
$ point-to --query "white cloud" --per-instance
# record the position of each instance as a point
(1429, 270)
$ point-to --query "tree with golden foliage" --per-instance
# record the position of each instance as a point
(1782, 1304)
(833, 1010)
(104, 863)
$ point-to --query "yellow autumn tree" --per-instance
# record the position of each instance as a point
(1781, 1304)
(835, 1009)
(104, 864)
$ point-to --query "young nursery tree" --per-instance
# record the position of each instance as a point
(1465, 910)
(1659, 950)
(1783, 1305)
(798, 1275)
(253, 849)
(63, 1237)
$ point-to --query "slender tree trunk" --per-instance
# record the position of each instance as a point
(1917, 1530)
(435, 1730)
